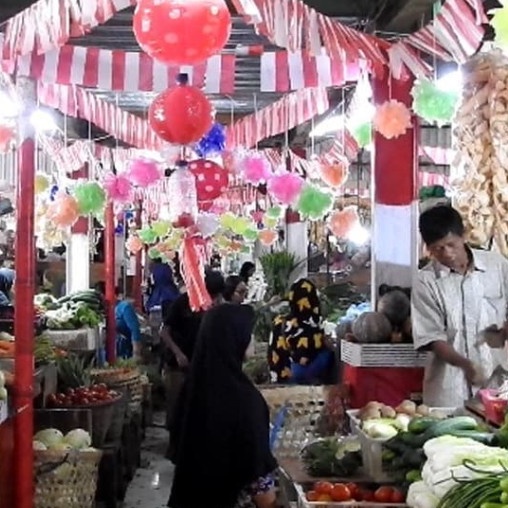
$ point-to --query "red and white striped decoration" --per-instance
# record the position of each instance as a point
(455, 34)
(77, 102)
(285, 114)
(49, 24)
(122, 71)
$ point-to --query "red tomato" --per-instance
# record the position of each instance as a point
(366, 495)
(52, 399)
(312, 495)
(324, 498)
(70, 391)
(340, 492)
(397, 496)
(323, 487)
(353, 488)
(383, 494)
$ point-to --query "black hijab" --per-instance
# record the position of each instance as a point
(223, 430)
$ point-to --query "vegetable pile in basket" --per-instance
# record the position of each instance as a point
(326, 492)
(83, 309)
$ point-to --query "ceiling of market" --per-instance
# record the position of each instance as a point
(389, 17)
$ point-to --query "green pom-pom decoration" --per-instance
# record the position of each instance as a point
(362, 134)
(153, 253)
(90, 197)
(147, 235)
(250, 235)
(433, 104)
(313, 203)
(161, 228)
(499, 22)
(275, 212)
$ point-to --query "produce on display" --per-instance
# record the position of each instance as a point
(332, 457)
(372, 327)
(83, 396)
(3, 390)
(460, 472)
(325, 492)
(53, 439)
(72, 372)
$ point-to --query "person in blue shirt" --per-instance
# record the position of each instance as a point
(163, 287)
(5, 290)
(128, 341)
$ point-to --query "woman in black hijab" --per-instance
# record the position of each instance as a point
(223, 458)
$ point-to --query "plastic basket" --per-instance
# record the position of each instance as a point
(303, 503)
(299, 413)
(495, 408)
(65, 479)
(372, 449)
(381, 355)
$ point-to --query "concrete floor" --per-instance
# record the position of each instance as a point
(152, 483)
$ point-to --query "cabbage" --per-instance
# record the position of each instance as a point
(78, 439)
(49, 437)
(37, 445)
(61, 447)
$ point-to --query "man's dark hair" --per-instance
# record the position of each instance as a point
(439, 221)
(247, 267)
(215, 283)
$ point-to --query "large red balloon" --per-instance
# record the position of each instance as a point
(211, 179)
(182, 32)
(181, 115)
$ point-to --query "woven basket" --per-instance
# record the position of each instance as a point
(102, 417)
(114, 433)
(304, 412)
(66, 479)
(121, 379)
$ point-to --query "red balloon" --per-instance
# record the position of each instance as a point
(182, 32)
(211, 179)
(181, 115)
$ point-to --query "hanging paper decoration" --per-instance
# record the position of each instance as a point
(160, 228)
(251, 235)
(181, 115)
(314, 203)
(178, 32)
(63, 211)
(255, 169)
(134, 244)
(269, 222)
(208, 224)
(268, 237)
(432, 103)
(227, 220)
(213, 143)
(240, 225)
(182, 196)
(154, 253)
(7, 137)
(211, 179)
(147, 235)
(285, 187)
(335, 175)
(257, 215)
(274, 212)
(41, 183)
(143, 172)
(118, 188)
(193, 273)
(342, 222)
(362, 134)
(499, 22)
(392, 119)
(91, 198)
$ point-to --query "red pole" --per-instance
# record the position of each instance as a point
(24, 309)
(138, 274)
(110, 276)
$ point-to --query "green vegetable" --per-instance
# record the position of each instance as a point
(413, 476)
(486, 438)
(472, 493)
(420, 425)
(493, 505)
(504, 485)
(442, 428)
(502, 434)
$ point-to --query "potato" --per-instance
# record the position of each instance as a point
(407, 407)
(423, 410)
(388, 412)
(370, 414)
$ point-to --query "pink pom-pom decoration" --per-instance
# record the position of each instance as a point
(342, 222)
(143, 172)
(134, 244)
(255, 169)
(285, 187)
(268, 237)
(118, 188)
(392, 119)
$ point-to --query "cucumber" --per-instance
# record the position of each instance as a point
(414, 458)
(420, 425)
(486, 438)
(442, 428)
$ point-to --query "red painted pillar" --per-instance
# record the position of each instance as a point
(395, 208)
(138, 274)
(110, 279)
(24, 310)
